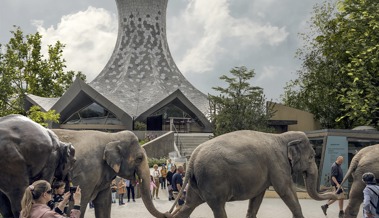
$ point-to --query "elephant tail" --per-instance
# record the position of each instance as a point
(189, 174)
(353, 167)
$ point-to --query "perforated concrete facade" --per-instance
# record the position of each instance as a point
(141, 71)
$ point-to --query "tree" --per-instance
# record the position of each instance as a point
(359, 31)
(338, 78)
(23, 70)
(43, 118)
(240, 105)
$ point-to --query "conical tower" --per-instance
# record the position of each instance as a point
(141, 72)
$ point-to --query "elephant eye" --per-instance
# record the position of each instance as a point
(139, 159)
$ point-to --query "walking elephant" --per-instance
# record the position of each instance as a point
(28, 152)
(241, 165)
(366, 160)
(100, 158)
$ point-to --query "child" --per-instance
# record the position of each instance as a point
(114, 190)
(152, 186)
(58, 191)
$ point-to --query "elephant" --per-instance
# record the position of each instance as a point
(28, 152)
(366, 160)
(242, 165)
(100, 158)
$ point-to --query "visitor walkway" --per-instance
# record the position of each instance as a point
(270, 208)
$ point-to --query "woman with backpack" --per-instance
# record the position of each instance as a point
(371, 196)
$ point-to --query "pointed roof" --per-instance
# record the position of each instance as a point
(44, 103)
(141, 77)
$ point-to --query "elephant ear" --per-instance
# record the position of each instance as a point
(66, 160)
(294, 154)
(112, 155)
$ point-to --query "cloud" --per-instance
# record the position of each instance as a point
(269, 73)
(206, 28)
(89, 36)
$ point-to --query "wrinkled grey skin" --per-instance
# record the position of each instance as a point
(366, 160)
(100, 158)
(28, 152)
(241, 165)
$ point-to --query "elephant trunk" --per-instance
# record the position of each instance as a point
(143, 173)
(310, 178)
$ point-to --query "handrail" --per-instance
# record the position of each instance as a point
(178, 141)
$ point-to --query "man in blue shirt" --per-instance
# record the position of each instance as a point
(177, 183)
(336, 177)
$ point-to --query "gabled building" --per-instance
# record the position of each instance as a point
(140, 82)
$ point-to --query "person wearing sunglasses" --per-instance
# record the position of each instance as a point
(37, 196)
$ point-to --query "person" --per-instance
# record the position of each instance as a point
(130, 188)
(163, 177)
(336, 176)
(152, 186)
(156, 175)
(169, 164)
(170, 174)
(113, 190)
(58, 191)
(370, 195)
(177, 183)
(37, 195)
(121, 191)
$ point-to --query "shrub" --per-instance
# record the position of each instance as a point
(153, 161)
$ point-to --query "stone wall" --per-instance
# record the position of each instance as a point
(161, 146)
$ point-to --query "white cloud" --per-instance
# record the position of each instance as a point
(269, 73)
(205, 26)
(89, 37)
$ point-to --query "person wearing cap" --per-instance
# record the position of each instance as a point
(370, 195)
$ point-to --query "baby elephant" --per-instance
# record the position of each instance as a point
(241, 165)
(28, 152)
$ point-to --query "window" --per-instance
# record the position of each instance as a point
(93, 114)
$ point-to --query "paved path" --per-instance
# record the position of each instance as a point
(270, 208)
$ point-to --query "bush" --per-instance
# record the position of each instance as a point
(153, 161)
(143, 141)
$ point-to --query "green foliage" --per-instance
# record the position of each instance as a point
(43, 118)
(143, 141)
(339, 76)
(24, 70)
(153, 161)
(139, 126)
(240, 105)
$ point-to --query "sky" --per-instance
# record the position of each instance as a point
(207, 38)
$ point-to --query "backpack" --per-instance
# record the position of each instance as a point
(376, 206)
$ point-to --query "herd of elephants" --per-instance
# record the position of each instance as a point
(251, 161)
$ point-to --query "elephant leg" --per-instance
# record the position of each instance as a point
(103, 204)
(218, 208)
(254, 205)
(5, 206)
(15, 197)
(288, 195)
(192, 201)
(355, 199)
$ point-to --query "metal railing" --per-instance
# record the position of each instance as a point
(178, 141)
